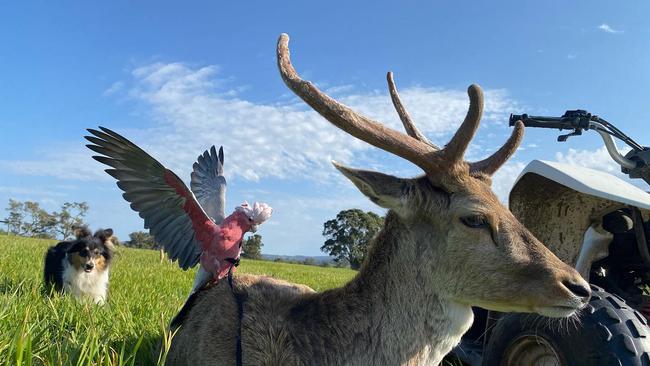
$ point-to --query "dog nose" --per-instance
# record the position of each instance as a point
(578, 289)
(89, 266)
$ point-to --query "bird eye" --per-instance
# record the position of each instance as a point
(475, 221)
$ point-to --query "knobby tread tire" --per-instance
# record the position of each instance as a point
(610, 333)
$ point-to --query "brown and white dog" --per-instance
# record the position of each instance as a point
(80, 267)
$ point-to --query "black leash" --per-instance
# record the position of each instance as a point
(240, 309)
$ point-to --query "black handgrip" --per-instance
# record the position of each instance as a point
(539, 121)
(576, 119)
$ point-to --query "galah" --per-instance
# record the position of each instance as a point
(172, 212)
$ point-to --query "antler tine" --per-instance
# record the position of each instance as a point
(455, 149)
(409, 126)
(351, 122)
(493, 162)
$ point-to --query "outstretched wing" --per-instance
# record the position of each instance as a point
(209, 185)
(169, 209)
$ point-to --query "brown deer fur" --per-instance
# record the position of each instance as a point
(411, 301)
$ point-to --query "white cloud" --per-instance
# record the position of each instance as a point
(192, 109)
(608, 29)
(30, 192)
(281, 140)
(64, 162)
(598, 159)
(114, 88)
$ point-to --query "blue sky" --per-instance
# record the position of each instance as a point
(178, 77)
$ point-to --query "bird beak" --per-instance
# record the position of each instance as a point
(253, 228)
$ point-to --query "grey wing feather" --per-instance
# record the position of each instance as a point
(142, 179)
(209, 185)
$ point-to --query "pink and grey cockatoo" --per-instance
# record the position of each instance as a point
(190, 225)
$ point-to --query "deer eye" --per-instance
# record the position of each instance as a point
(475, 221)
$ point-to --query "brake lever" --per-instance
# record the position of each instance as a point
(576, 132)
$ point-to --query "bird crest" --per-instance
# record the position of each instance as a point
(258, 213)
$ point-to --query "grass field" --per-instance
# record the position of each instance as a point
(144, 295)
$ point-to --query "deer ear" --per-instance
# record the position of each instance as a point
(383, 189)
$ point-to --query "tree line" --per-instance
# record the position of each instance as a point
(347, 236)
(30, 219)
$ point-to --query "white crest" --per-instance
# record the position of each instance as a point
(259, 213)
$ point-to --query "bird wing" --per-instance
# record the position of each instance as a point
(209, 185)
(169, 209)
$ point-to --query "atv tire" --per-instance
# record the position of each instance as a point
(609, 333)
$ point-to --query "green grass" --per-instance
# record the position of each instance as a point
(144, 295)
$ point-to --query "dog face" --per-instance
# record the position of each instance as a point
(91, 252)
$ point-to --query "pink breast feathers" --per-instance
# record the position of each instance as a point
(223, 251)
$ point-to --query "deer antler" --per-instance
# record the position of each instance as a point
(414, 146)
(456, 147)
(486, 166)
(351, 122)
(409, 126)
(491, 164)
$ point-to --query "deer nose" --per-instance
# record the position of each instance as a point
(578, 289)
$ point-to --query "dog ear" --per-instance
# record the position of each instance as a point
(81, 232)
(104, 235)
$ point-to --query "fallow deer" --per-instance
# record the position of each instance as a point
(447, 244)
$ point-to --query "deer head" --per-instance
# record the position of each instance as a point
(475, 252)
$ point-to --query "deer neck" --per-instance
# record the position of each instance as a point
(392, 305)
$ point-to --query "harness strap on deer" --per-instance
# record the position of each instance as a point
(240, 310)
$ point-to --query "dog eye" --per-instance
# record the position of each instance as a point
(83, 252)
(475, 221)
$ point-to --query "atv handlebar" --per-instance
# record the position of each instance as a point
(576, 119)
(636, 163)
(535, 121)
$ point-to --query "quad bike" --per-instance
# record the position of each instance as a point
(597, 223)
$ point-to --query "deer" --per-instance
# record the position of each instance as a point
(447, 244)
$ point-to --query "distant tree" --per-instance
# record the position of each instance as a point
(70, 217)
(143, 240)
(15, 220)
(252, 247)
(309, 261)
(29, 219)
(349, 234)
